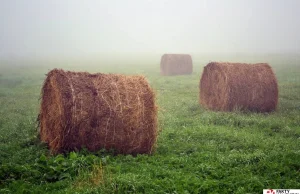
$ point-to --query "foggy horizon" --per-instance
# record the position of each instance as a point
(73, 28)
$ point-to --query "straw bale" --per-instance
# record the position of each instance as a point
(176, 64)
(230, 86)
(97, 111)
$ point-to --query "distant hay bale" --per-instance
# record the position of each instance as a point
(229, 86)
(97, 111)
(176, 64)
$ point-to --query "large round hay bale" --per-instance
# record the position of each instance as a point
(230, 86)
(176, 64)
(97, 111)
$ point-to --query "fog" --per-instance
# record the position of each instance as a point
(78, 28)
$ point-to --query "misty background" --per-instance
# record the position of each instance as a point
(78, 28)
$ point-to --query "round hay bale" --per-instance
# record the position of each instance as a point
(176, 64)
(97, 111)
(230, 86)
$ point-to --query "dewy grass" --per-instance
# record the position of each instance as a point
(198, 151)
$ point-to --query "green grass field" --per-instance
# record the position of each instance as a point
(198, 151)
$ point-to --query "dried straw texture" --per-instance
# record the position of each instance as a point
(176, 64)
(230, 86)
(98, 111)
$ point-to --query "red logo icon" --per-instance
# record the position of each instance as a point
(271, 191)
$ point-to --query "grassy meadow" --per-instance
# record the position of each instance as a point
(198, 151)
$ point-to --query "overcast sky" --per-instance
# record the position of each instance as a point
(91, 27)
